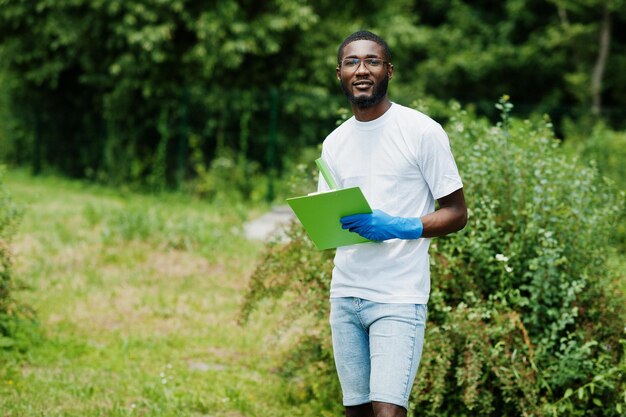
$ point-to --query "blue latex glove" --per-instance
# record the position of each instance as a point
(379, 226)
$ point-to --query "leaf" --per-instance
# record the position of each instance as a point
(6, 342)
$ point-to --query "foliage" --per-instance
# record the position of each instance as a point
(125, 91)
(530, 269)
(541, 52)
(228, 177)
(113, 90)
(17, 328)
(524, 316)
(6, 150)
(300, 275)
(605, 150)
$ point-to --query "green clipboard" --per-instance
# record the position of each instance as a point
(319, 213)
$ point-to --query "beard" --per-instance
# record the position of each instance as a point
(368, 101)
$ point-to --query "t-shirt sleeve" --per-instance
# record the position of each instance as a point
(437, 163)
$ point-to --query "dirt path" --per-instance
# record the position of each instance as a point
(269, 224)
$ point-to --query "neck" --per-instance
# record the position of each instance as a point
(368, 114)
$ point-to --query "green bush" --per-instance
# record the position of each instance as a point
(524, 316)
(299, 276)
(16, 321)
(229, 177)
(605, 149)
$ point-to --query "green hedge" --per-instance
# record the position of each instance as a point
(524, 316)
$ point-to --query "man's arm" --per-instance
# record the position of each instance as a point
(449, 218)
(378, 225)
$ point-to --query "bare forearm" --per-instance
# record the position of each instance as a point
(444, 221)
(451, 216)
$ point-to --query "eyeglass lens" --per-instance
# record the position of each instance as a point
(354, 63)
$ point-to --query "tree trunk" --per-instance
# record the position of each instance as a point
(563, 15)
(599, 67)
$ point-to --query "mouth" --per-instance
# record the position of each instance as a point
(362, 84)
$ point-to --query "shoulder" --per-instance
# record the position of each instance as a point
(416, 121)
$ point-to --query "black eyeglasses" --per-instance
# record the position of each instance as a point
(370, 63)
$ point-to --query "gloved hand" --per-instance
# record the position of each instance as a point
(379, 226)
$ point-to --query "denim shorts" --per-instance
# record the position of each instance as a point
(377, 349)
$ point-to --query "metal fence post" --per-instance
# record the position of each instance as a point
(271, 148)
(37, 146)
(183, 134)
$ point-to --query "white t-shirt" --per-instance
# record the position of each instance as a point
(403, 163)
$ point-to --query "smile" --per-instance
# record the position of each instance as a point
(361, 85)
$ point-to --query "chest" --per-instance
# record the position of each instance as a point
(372, 154)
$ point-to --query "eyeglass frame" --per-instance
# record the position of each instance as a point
(362, 61)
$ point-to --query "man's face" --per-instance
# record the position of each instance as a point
(365, 86)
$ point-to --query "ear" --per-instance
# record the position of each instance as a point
(390, 71)
(338, 72)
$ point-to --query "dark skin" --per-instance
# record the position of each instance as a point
(451, 215)
(376, 409)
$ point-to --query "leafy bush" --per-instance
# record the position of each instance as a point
(228, 177)
(605, 149)
(299, 276)
(524, 315)
(16, 320)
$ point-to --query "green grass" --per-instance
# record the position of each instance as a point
(137, 299)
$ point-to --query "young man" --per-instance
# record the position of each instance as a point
(401, 160)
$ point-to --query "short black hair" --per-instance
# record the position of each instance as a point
(367, 36)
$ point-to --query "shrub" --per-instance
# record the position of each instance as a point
(299, 276)
(228, 177)
(604, 149)
(524, 315)
(16, 320)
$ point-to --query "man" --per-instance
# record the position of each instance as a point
(401, 160)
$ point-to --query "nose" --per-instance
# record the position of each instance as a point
(362, 68)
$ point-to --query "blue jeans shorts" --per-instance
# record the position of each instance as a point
(377, 349)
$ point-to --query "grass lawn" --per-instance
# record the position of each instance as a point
(137, 299)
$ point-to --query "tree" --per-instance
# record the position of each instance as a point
(114, 90)
(598, 15)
